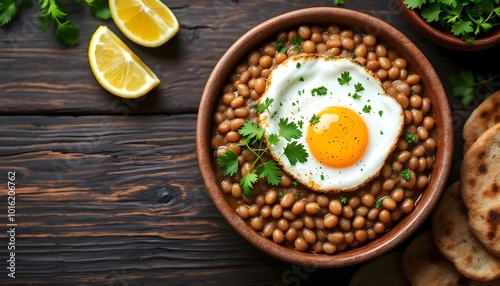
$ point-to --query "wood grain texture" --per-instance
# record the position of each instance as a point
(108, 190)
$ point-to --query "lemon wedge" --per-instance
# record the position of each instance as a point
(149, 23)
(117, 68)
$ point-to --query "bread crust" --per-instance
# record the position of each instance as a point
(481, 119)
(480, 188)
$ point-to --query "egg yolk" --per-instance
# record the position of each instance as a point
(338, 138)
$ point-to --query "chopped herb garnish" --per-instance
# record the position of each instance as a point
(406, 174)
(322, 177)
(343, 200)
(280, 47)
(294, 183)
(359, 87)
(252, 135)
(410, 138)
(352, 56)
(367, 108)
(318, 208)
(380, 112)
(393, 169)
(301, 78)
(330, 56)
(264, 105)
(298, 65)
(314, 119)
(319, 91)
(381, 133)
(356, 96)
(378, 203)
(344, 78)
(296, 41)
(299, 193)
(280, 194)
(300, 123)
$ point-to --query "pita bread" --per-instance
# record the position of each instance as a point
(480, 176)
(457, 243)
(382, 271)
(424, 265)
(481, 119)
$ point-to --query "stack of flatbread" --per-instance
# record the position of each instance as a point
(465, 234)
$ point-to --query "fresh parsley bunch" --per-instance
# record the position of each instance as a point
(252, 136)
(52, 11)
(463, 18)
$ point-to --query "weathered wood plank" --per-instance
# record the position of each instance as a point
(39, 76)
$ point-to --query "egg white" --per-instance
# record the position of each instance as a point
(290, 85)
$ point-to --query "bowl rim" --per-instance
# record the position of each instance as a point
(342, 17)
(446, 39)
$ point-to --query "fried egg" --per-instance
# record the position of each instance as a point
(349, 125)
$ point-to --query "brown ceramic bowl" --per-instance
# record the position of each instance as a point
(446, 39)
(432, 87)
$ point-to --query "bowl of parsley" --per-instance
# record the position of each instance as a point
(456, 25)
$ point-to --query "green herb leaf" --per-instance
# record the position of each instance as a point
(252, 131)
(8, 10)
(344, 78)
(414, 4)
(228, 163)
(314, 119)
(431, 12)
(359, 87)
(288, 130)
(264, 105)
(99, 9)
(380, 112)
(410, 138)
(406, 174)
(247, 182)
(367, 108)
(272, 139)
(301, 78)
(463, 85)
(298, 65)
(338, 2)
(296, 41)
(270, 171)
(319, 91)
(356, 96)
(343, 200)
(280, 47)
(67, 34)
(378, 203)
(295, 152)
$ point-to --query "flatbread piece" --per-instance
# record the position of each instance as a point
(457, 243)
(481, 119)
(480, 188)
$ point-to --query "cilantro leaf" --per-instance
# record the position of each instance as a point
(359, 87)
(228, 163)
(356, 96)
(414, 4)
(431, 12)
(296, 41)
(380, 112)
(295, 152)
(410, 138)
(463, 86)
(264, 105)
(8, 10)
(314, 119)
(460, 28)
(288, 130)
(367, 108)
(406, 174)
(343, 200)
(270, 171)
(338, 2)
(378, 203)
(247, 182)
(67, 34)
(280, 47)
(319, 91)
(251, 130)
(99, 9)
(344, 78)
(272, 139)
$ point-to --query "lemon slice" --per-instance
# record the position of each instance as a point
(117, 68)
(149, 23)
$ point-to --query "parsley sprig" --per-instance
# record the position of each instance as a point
(464, 84)
(465, 19)
(252, 136)
(52, 11)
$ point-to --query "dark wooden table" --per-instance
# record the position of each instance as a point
(108, 191)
